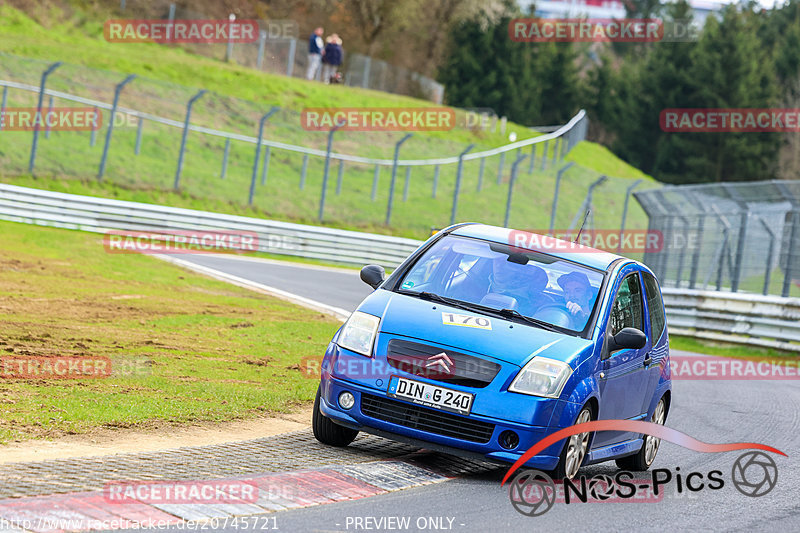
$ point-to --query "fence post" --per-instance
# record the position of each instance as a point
(93, 134)
(375, 177)
(45, 74)
(365, 74)
(555, 195)
(394, 177)
(229, 49)
(112, 114)
(480, 173)
(189, 105)
(265, 165)
(587, 203)
(435, 180)
(628, 193)
(511, 181)
(544, 155)
(3, 105)
(737, 274)
(327, 169)
(696, 255)
(793, 236)
(533, 159)
(339, 177)
(225, 159)
(264, 118)
(500, 167)
(290, 60)
(405, 187)
(46, 122)
(139, 127)
(555, 151)
(262, 40)
(303, 172)
(459, 173)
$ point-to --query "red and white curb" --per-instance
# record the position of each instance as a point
(85, 511)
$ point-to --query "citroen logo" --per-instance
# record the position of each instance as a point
(440, 360)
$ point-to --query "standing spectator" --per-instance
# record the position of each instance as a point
(332, 58)
(315, 52)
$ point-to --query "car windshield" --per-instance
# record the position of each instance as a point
(535, 285)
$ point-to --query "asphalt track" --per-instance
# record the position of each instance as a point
(713, 411)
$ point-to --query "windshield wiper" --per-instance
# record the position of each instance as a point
(516, 314)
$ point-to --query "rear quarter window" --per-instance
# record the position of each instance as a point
(655, 306)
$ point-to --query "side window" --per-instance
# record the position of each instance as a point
(628, 309)
(655, 306)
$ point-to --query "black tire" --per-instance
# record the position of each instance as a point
(640, 461)
(329, 432)
(560, 472)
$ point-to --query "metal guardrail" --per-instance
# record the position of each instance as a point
(755, 320)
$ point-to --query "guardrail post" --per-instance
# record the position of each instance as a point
(139, 127)
(45, 74)
(405, 186)
(264, 118)
(480, 173)
(365, 74)
(262, 40)
(225, 159)
(375, 177)
(327, 169)
(500, 167)
(793, 236)
(511, 181)
(93, 134)
(303, 172)
(555, 194)
(394, 177)
(533, 159)
(3, 106)
(290, 60)
(110, 130)
(46, 123)
(265, 164)
(628, 193)
(459, 173)
(436, 180)
(189, 105)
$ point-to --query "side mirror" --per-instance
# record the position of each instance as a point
(627, 338)
(373, 275)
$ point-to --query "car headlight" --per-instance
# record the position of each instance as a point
(542, 377)
(358, 333)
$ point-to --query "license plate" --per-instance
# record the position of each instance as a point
(430, 395)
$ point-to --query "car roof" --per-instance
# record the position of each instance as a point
(583, 255)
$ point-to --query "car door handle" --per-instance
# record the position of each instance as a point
(648, 359)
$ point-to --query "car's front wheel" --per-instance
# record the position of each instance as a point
(575, 449)
(647, 453)
(329, 432)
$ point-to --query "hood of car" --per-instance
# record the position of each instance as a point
(433, 322)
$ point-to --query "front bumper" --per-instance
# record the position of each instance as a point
(355, 418)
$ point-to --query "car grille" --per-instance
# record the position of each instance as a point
(423, 419)
(456, 368)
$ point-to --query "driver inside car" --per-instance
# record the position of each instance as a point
(577, 296)
(523, 282)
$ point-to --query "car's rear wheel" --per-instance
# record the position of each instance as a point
(647, 453)
(329, 432)
(575, 449)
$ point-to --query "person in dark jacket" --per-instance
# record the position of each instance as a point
(315, 52)
(332, 59)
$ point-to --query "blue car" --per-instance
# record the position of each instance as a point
(483, 342)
